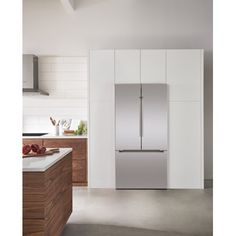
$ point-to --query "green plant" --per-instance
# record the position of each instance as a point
(82, 128)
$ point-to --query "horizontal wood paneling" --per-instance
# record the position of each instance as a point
(34, 195)
(33, 227)
(79, 146)
(79, 170)
(33, 141)
(51, 204)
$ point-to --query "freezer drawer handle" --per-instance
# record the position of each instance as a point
(155, 150)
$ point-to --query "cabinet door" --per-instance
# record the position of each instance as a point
(33, 141)
(101, 75)
(185, 74)
(101, 145)
(127, 66)
(185, 165)
(153, 66)
(79, 146)
(101, 119)
(79, 173)
(80, 149)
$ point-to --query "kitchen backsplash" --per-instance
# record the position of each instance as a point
(65, 78)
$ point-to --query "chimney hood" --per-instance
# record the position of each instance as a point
(30, 75)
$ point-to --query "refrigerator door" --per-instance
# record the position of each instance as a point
(154, 116)
(127, 123)
(141, 170)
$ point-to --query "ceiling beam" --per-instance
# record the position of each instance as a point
(68, 5)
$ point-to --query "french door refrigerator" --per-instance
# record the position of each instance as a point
(141, 127)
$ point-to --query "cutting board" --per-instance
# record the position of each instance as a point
(49, 151)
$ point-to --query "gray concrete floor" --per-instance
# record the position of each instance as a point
(108, 212)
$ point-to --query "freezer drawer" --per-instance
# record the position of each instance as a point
(141, 170)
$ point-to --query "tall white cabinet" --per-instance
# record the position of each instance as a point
(186, 138)
(101, 161)
(182, 70)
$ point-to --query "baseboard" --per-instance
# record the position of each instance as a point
(208, 183)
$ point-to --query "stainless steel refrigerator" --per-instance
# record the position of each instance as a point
(141, 118)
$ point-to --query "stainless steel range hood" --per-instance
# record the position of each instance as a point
(30, 75)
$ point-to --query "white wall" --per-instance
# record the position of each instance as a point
(65, 79)
(49, 30)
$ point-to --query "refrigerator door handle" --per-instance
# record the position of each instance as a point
(141, 115)
(139, 150)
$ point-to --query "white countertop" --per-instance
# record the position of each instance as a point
(42, 163)
(61, 136)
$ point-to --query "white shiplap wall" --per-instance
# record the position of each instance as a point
(65, 79)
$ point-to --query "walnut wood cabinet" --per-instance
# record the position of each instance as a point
(79, 155)
(33, 141)
(47, 199)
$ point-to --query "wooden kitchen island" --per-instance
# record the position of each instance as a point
(47, 193)
(79, 154)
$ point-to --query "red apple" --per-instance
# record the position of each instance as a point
(41, 150)
(26, 149)
(35, 147)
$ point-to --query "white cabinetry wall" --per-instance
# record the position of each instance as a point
(185, 82)
(101, 161)
(182, 70)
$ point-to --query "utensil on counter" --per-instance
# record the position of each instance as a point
(56, 125)
(53, 121)
(65, 124)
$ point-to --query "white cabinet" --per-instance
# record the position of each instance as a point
(185, 81)
(101, 145)
(101, 161)
(153, 66)
(140, 66)
(184, 74)
(185, 163)
(101, 75)
(127, 66)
